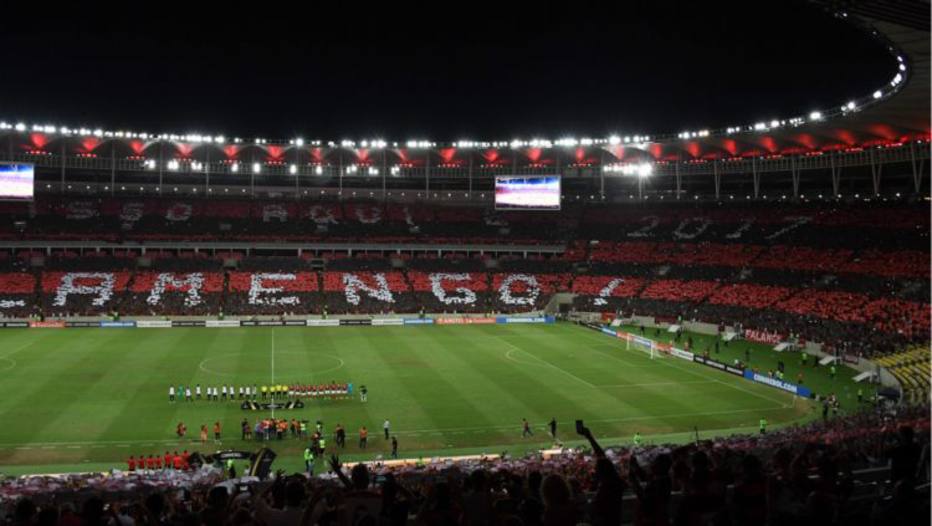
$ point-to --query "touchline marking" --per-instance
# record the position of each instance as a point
(719, 380)
(434, 431)
(542, 361)
(603, 421)
(651, 384)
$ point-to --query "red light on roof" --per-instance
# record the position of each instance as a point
(275, 152)
(769, 144)
(184, 149)
(137, 146)
(656, 151)
(693, 149)
(39, 140)
(730, 146)
(447, 154)
(89, 144)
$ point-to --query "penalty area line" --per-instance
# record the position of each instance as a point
(544, 362)
(717, 380)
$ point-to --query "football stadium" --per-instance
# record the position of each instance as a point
(720, 325)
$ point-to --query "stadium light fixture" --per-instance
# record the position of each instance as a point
(319, 170)
(815, 116)
(172, 165)
(256, 168)
(299, 142)
(150, 164)
(878, 94)
(234, 167)
(850, 106)
(614, 140)
(293, 169)
(20, 126)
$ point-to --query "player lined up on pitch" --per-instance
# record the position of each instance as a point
(222, 393)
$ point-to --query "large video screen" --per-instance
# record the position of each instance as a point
(527, 192)
(16, 181)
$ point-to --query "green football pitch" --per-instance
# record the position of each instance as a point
(86, 399)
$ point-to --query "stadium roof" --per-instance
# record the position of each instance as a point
(898, 111)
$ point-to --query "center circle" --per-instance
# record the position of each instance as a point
(290, 366)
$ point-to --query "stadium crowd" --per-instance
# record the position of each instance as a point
(865, 468)
(852, 276)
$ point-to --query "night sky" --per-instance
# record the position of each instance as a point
(442, 71)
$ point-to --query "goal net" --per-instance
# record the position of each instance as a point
(648, 347)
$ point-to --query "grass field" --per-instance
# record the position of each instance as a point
(85, 399)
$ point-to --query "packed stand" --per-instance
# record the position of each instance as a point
(868, 468)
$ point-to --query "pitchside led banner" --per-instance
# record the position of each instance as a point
(529, 192)
(16, 181)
